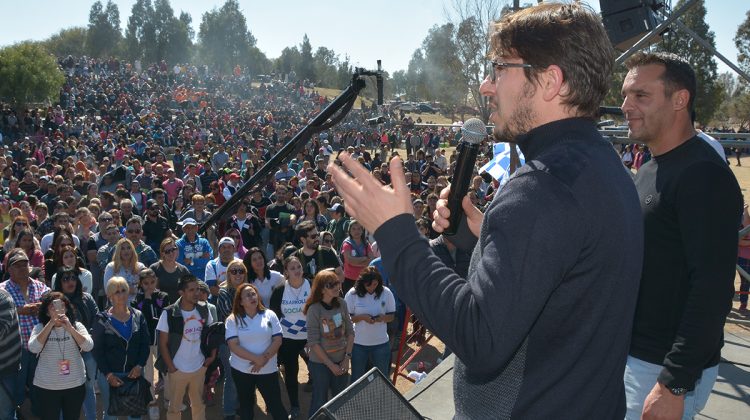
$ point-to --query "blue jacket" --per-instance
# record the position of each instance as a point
(194, 251)
(112, 352)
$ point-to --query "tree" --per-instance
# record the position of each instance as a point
(288, 60)
(443, 76)
(305, 68)
(30, 74)
(225, 40)
(399, 82)
(742, 41)
(709, 94)
(325, 62)
(155, 34)
(473, 22)
(103, 37)
(70, 41)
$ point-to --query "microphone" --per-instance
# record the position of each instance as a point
(473, 132)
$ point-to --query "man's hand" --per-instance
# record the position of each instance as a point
(135, 372)
(441, 214)
(367, 200)
(661, 404)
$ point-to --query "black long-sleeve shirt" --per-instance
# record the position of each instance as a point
(541, 325)
(692, 207)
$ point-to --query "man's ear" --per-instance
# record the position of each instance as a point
(552, 83)
(680, 99)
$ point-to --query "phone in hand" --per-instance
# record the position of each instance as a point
(59, 306)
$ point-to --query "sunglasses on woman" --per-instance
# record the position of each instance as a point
(333, 285)
(236, 271)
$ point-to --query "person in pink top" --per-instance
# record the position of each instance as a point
(172, 185)
(356, 254)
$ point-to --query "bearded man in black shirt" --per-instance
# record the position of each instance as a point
(691, 205)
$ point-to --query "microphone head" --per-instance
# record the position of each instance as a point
(473, 131)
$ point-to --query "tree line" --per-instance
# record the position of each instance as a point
(448, 67)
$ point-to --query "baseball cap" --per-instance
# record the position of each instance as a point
(188, 221)
(234, 176)
(337, 208)
(17, 256)
(226, 240)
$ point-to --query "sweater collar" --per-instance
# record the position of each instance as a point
(541, 138)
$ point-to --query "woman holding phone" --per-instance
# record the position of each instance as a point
(60, 374)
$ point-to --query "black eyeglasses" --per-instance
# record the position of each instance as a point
(237, 271)
(170, 250)
(498, 67)
(106, 220)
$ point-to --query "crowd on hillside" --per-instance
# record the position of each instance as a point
(102, 197)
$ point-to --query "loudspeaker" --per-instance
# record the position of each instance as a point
(371, 397)
(609, 7)
(627, 21)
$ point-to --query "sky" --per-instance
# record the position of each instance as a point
(389, 30)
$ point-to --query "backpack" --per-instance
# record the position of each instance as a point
(212, 337)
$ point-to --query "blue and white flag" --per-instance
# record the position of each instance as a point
(499, 166)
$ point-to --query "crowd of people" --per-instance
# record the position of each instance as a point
(103, 195)
(112, 278)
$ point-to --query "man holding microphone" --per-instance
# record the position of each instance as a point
(540, 326)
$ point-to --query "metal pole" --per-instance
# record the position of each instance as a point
(652, 34)
(710, 48)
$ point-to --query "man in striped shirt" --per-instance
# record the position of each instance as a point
(27, 295)
(10, 354)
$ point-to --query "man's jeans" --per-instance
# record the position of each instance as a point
(7, 397)
(640, 378)
(230, 391)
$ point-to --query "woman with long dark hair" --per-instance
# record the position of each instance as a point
(311, 211)
(258, 273)
(372, 306)
(356, 254)
(71, 286)
(253, 335)
(330, 336)
(287, 301)
(66, 257)
(60, 376)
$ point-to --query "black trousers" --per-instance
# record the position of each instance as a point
(50, 403)
(289, 357)
(269, 388)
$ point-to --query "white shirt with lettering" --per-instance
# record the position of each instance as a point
(189, 357)
(294, 322)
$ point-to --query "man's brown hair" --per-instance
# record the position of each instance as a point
(570, 36)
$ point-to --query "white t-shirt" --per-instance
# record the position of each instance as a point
(189, 357)
(46, 243)
(713, 143)
(265, 286)
(366, 334)
(255, 335)
(216, 272)
(294, 322)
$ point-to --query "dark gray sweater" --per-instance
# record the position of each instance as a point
(541, 326)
